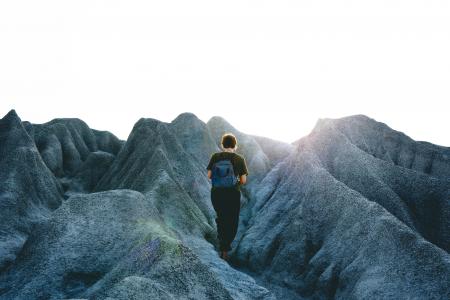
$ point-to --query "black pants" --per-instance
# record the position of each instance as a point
(227, 204)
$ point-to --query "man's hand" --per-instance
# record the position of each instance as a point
(209, 174)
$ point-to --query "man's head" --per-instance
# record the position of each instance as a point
(229, 141)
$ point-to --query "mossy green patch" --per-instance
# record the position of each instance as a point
(152, 229)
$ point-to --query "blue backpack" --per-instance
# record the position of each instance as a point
(223, 174)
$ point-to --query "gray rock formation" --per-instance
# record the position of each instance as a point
(354, 210)
(395, 147)
(28, 189)
(333, 221)
(108, 244)
(76, 154)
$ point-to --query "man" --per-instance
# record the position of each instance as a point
(228, 171)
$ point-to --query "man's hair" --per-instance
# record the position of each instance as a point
(229, 140)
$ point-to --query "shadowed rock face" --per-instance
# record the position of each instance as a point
(76, 154)
(28, 190)
(354, 210)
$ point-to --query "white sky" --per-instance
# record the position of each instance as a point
(270, 68)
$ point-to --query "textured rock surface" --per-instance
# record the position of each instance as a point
(393, 146)
(28, 190)
(354, 210)
(329, 223)
(76, 154)
(96, 245)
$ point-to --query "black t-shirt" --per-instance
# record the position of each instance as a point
(239, 165)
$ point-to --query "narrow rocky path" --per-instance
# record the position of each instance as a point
(239, 284)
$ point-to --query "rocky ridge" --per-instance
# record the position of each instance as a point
(354, 210)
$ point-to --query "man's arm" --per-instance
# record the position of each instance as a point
(243, 179)
(244, 172)
(210, 166)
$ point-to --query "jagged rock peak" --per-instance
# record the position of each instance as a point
(67, 120)
(361, 120)
(217, 122)
(186, 117)
(11, 118)
(12, 132)
(149, 123)
(11, 114)
(383, 142)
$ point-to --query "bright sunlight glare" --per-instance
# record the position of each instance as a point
(270, 68)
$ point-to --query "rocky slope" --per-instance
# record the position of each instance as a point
(354, 210)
